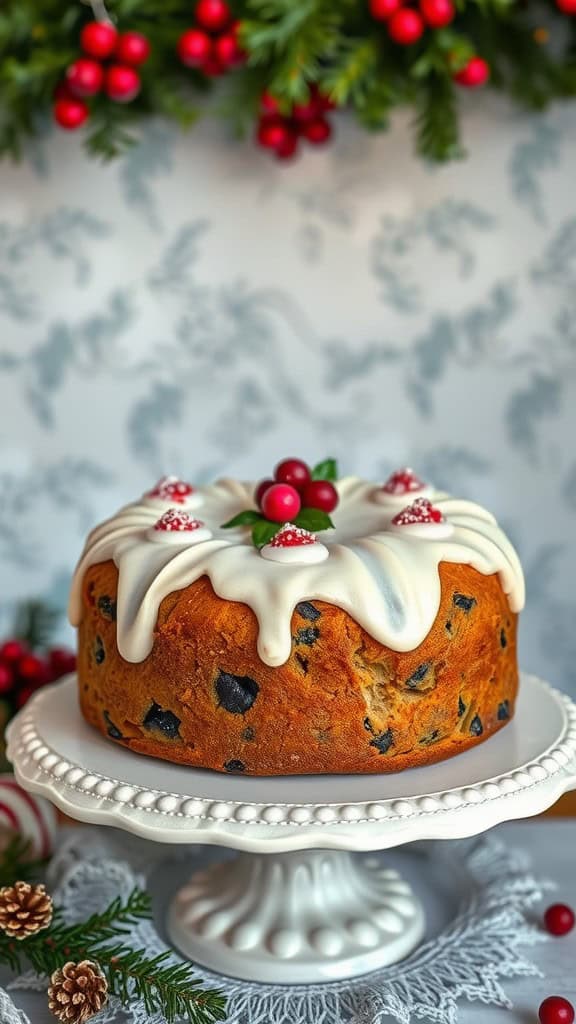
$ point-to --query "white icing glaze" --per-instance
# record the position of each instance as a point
(385, 579)
(182, 537)
(398, 501)
(426, 531)
(303, 554)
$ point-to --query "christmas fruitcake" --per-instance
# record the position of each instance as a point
(308, 625)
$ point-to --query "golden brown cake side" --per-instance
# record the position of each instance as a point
(341, 703)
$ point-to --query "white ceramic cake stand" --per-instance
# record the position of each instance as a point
(298, 904)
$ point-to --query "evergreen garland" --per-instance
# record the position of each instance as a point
(335, 46)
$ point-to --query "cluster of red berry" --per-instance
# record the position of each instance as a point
(406, 25)
(22, 672)
(282, 132)
(88, 76)
(212, 45)
(293, 488)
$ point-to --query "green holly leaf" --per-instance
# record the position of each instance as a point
(246, 518)
(263, 531)
(313, 519)
(327, 470)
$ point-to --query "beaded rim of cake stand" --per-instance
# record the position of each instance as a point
(29, 749)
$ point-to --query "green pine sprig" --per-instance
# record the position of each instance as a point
(131, 974)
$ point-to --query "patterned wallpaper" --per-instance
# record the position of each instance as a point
(200, 309)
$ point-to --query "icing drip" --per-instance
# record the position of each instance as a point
(387, 580)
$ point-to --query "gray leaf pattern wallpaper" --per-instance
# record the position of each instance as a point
(196, 308)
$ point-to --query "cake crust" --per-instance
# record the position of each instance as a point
(341, 703)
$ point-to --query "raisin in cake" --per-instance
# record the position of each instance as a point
(213, 636)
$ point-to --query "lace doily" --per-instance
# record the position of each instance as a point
(480, 946)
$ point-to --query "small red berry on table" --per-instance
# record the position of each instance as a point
(292, 471)
(320, 494)
(559, 919)
(405, 26)
(12, 650)
(84, 77)
(381, 10)
(475, 73)
(281, 503)
(212, 15)
(32, 669)
(194, 47)
(317, 131)
(437, 13)
(122, 83)
(556, 1010)
(98, 39)
(261, 490)
(566, 6)
(70, 113)
(132, 48)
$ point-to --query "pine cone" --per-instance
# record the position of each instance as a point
(24, 909)
(77, 991)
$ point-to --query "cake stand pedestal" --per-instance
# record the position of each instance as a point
(303, 902)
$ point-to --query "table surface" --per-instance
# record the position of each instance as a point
(551, 844)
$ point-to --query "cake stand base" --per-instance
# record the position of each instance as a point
(305, 901)
(296, 917)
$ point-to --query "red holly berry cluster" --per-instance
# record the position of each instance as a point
(406, 25)
(88, 75)
(22, 672)
(293, 488)
(212, 44)
(282, 132)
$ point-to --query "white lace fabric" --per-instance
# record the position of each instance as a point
(468, 960)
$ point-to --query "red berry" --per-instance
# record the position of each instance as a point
(437, 13)
(306, 111)
(228, 50)
(31, 668)
(61, 661)
(475, 73)
(566, 6)
(12, 650)
(212, 15)
(281, 503)
(292, 471)
(320, 494)
(122, 83)
(85, 77)
(98, 39)
(556, 1010)
(212, 67)
(261, 490)
(132, 48)
(194, 47)
(559, 919)
(317, 131)
(6, 679)
(269, 104)
(70, 113)
(287, 149)
(272, 132)
(384, 9)
(405, 26)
